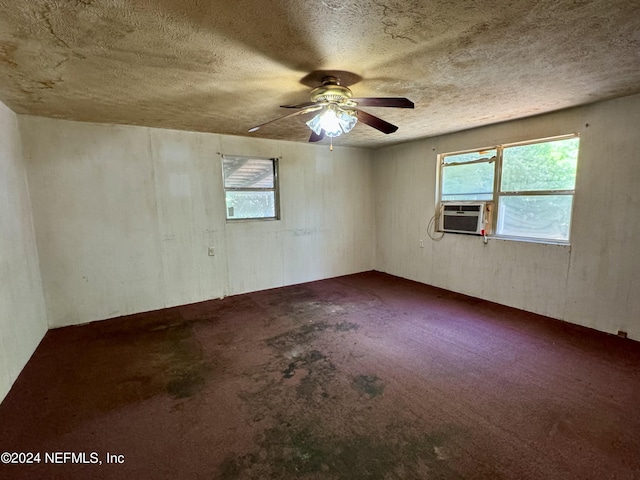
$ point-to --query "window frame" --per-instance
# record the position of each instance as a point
(497, 193)
(275, 189)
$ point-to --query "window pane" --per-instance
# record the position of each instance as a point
(470, 157)
(535, 216)
(540, 166)
(250, 205)
(244, 172)
(468, 182)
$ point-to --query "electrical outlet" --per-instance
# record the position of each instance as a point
(421, 243)
(211, 251)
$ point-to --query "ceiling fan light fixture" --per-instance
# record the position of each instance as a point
(348, 120)
(334, 121)
(338, 111)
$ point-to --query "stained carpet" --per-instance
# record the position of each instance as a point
(366, 376)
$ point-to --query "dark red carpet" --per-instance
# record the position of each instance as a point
(360, 377)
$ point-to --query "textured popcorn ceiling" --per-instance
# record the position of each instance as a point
(225, 66)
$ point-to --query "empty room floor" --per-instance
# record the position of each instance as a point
(366, 376)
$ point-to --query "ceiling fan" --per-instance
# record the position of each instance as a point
(338, 110)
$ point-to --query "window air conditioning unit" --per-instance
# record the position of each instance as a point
(463, 217)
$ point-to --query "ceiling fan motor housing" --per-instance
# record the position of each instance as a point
(330, 91)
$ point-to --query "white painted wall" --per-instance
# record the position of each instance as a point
(22, 314)
(595, 282)
(124, 216)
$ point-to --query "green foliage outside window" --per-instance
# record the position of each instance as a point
(540, 166)
(535, 196)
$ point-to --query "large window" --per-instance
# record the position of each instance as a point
(250, 187)
(532, 184)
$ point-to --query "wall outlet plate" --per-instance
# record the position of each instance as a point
(211, 252)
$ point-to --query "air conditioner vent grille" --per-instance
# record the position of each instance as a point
(463, 218)
(462, 208)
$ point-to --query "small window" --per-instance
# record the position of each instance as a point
(250, 187)
(531, 183)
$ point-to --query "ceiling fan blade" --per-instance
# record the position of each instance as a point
(299, 112)
(301, 105)
(315, 137)
(397, 102)
(375, 122)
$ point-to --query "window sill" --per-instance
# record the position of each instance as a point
(251, 220)
(543, 241)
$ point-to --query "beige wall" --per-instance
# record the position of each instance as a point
(22, 314)
(124, 216)
(594, 282)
